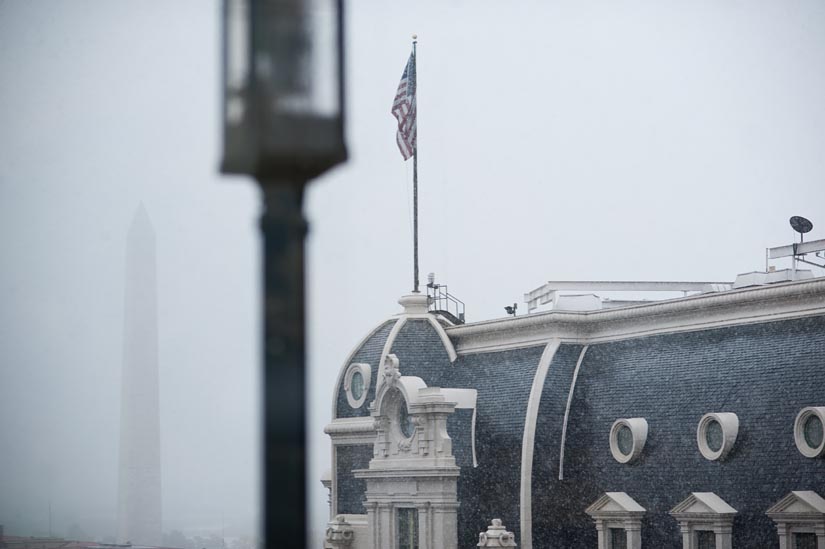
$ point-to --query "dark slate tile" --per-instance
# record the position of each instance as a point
(764, 373)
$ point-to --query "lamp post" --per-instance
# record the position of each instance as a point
(284, 125)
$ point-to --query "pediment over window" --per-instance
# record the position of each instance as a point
(618, 520)
(703, 503)
(799, 503)
(615, 503)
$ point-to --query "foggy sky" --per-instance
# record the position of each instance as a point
(557, 140)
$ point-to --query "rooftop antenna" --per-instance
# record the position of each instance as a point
(801, 225)
(798, 250)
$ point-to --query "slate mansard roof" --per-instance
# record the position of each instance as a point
(757, 352)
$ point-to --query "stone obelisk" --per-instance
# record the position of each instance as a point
(139, 490)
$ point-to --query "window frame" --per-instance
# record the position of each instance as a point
(415, 521)
(366, 375)
(638, 428)
(729, 422)
(799, 431)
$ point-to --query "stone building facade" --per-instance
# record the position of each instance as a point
(690, 422)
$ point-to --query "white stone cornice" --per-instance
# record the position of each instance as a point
(734, 307)
(408, 472)
(350, 425)
(352, 430)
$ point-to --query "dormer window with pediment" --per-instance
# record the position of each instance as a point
(706, 521)
(618, 521)
(800, 520)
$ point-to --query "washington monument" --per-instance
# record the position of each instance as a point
(139, 496)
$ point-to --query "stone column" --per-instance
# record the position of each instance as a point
(687, 536)
(444, 525)
(602, 532)
(634, 534)
(784, 532)
(425, 540)
(372, 518)
(385, 536)
(724, 536)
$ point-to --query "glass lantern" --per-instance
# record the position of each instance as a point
(283, 88)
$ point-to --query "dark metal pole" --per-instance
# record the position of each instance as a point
(415, 170)
(284, 229)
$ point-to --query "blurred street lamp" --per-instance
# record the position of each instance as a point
(283, 87)
(283, 124)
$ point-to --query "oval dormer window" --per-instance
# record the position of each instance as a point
(713, 436)
(624, 440)
(357, 383)
(716, 434)
(813, 431)
(809, 431)
(627, 439)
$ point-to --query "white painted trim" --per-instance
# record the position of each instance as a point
(528, 442)
(774, 302)
(343, 370)
(567, 410)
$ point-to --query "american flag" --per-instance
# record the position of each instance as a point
(403, 109)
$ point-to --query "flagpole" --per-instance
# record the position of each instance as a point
(415, 169)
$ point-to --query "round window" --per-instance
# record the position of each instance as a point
(716, 434)
(813, 431)
(809, 431)
(624, 439)
(357, 385)
(405, 420)
(627, 438)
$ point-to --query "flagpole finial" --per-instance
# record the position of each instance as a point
(414, 37)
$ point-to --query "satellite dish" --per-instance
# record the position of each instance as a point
(801, 225)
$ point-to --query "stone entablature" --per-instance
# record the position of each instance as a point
(704, 511)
